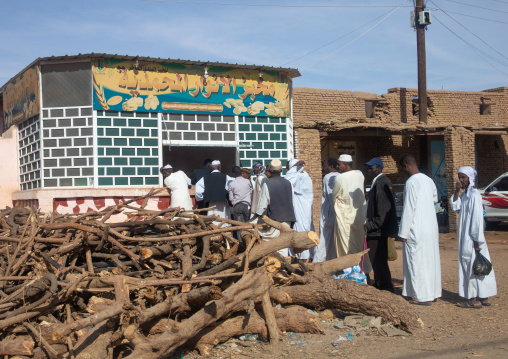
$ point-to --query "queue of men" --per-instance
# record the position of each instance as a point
(348, 222)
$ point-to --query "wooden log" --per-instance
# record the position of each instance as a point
(296, 240)
(271, 323)
(95, 344)
(337, 264)
(253, 323)
(349, 296)
(22, 345)
(249, 288)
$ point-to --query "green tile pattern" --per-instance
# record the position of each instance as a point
(128, 150)
(29, 154)
(67, 144)
(266, 139)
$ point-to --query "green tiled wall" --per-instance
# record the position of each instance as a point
(128, 149)
(266, 138)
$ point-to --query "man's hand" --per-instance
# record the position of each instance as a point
(400, 239)
(458, 186)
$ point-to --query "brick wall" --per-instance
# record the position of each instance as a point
(459, 151)
(308, 149)
(492, 153)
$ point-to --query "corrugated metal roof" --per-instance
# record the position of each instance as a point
(290, 71)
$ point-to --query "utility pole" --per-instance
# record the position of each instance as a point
(422, 66)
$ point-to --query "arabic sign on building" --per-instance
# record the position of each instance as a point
(21, 97)
(153, 87)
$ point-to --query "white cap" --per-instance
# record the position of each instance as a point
(215, 162)
(292, 162)
(275, 165)
(167, 167)
(345, 158)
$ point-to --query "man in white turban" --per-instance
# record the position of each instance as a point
(350, 210)
(303, 198)
(420, 234)
(474, 289)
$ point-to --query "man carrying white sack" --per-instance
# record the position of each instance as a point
(177, 183)
(350, 210)
(213, 190)
(476, 290)
(303, 198)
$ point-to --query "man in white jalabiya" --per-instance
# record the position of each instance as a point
(276, 202)
(476, 290)
(259, 171)
(420, 234)
(303, 198)
(177, 184)
(350, 210)
(326, 250)
(213, 190)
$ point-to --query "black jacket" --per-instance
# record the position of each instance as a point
(381, 212)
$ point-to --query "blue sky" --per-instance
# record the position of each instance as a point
(380, 58)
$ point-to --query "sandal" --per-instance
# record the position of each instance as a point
(485, 302)
(469, 304)
(415, 302)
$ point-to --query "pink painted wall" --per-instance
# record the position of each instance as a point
(8, 166)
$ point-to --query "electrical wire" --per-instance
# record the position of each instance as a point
(357, 38)
(271, 5)
(331, 42)
(476, 17)
(476, 50)
(472, 33)
(478, 7)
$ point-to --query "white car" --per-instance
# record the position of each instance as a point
(495, 201)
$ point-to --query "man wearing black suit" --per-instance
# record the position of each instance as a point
(381, 223)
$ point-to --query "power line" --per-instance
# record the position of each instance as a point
(331, 42)
(490, 47)
(476, 17)
(476, 50)
(357, 38)
(475, 6)
(272, 5)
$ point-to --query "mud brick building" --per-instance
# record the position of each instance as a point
(464, 128)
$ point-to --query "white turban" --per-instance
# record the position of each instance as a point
(167, 167)
(471, 173)
(345, 158)
(292, 162)
(215, 163)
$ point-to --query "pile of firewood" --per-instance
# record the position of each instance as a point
(83, 286)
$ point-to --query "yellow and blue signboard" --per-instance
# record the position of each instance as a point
(160, 87)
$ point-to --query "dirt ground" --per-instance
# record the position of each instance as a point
(449, 331)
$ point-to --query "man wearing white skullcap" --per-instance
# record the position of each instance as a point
(474, 289)
(303, 198)
(350, 210)
(177, 183)
(212, 189)
(276, 202)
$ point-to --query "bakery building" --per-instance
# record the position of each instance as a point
(86, 131)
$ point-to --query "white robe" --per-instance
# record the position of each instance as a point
(418, 226)
(260, 179)
(471, 229)
(221, 207)
(326, 250)
(179, 183)
(350, 213)
(303, 198)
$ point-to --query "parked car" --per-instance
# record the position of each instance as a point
(495, 201)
